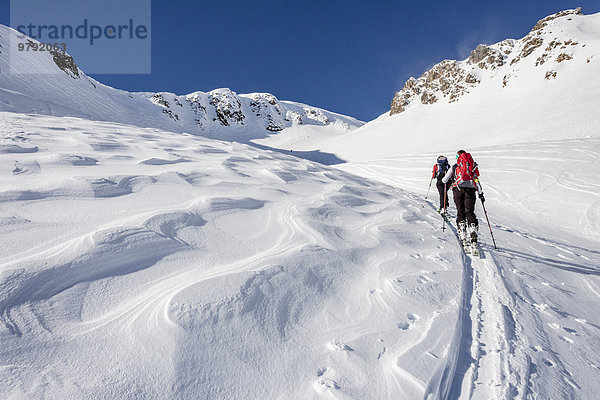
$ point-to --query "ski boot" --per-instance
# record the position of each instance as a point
(473, 232)
(462, 230)
(473, 236)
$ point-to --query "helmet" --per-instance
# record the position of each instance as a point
(458, 153)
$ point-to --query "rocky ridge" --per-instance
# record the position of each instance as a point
(225, 108)
(221, 113)
(449, 80)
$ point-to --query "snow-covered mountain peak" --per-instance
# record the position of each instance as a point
(553, 40)
(66, 90)
(541, 87)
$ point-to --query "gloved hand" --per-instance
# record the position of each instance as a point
(481, 198)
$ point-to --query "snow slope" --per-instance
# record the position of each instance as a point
(52, 84)
(139, 263)
(530, 320)
(514, 102)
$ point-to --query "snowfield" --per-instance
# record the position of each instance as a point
(139, 263)
(139, 260)
(530, 321)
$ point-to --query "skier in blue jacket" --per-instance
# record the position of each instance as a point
(439, 171)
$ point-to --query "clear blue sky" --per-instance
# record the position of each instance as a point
(346, 56)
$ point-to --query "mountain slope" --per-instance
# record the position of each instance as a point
(52, 84)
(450, 80)
(542, 87)
(528, 323)
(173, 266)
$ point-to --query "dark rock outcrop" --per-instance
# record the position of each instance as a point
(450, 80)
(65, 62)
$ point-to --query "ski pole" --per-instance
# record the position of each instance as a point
(490, 226)
(423, 205)
(429, 188)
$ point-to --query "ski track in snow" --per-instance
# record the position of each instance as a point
(126, 272)
(528, 325)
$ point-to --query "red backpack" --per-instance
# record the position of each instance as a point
(465, 169)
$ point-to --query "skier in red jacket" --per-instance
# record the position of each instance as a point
(464, 188)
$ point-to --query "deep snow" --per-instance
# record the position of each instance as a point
(142, 263)
(162, 265)
(530, 323)
(145, 264)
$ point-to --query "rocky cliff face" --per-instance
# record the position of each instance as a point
(450, 80)
(225, 108)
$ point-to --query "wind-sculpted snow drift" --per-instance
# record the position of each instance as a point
(172, 266)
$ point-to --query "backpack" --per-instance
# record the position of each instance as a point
(465, 169)
(442, 167)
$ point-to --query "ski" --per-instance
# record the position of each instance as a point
(469, 247)
(475, 249)
(473, 239)
(466, 245)
(444, 214)
(466, 248)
